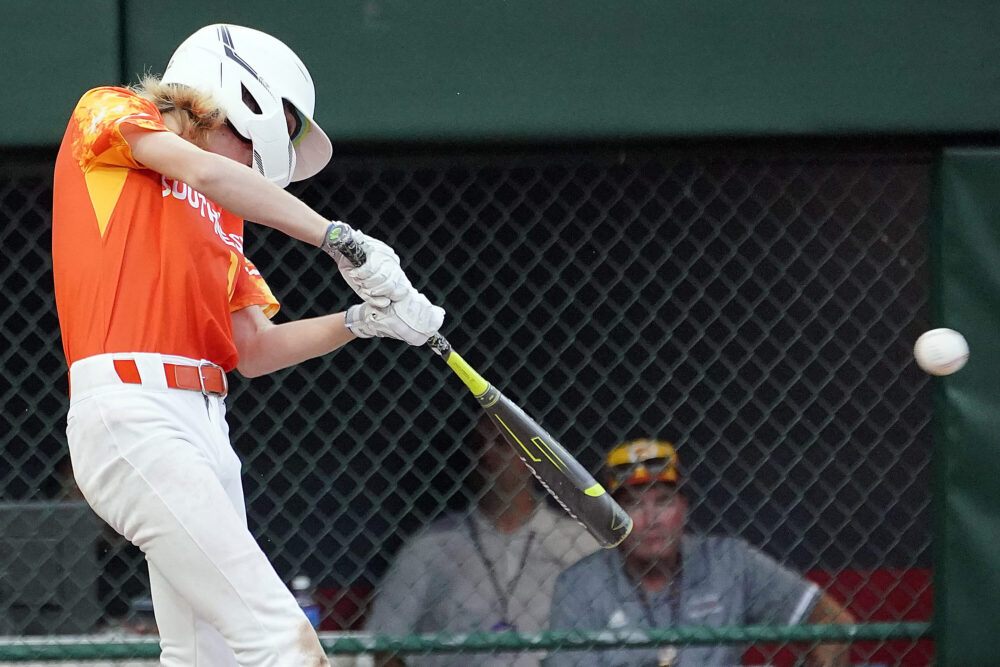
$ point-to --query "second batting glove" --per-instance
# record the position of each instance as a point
(413, 319)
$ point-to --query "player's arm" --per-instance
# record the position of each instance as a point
(233, 186)
(245, 193)
(829, 611)
(265, 347)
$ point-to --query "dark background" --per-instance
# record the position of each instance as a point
(755, 308)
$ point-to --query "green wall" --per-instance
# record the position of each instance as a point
(966, 267)
(51, 52)
(473, 70)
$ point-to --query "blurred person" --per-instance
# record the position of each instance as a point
(123, 584)
(157, 302)
(488, 570)
(661, 576)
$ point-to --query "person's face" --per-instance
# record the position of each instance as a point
(226, 142)
(658, 516)
(502, 467)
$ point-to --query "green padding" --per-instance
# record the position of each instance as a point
(471, 70)
(484, 641)
(967, 270)
(568, 640)
(52, 53)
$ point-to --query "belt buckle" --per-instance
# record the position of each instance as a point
(204, 363)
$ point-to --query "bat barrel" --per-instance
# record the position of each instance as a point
(558, 471)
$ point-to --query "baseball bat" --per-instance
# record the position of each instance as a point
(559, 472)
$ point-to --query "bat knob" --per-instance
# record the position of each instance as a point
(340, 239)
(440, 346)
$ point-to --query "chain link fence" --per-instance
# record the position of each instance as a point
(757, 310)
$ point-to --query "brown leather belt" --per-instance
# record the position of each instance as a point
(207, 378)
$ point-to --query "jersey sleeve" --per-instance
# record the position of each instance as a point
(97, 121)
(776, 594)
(580, 599)
(252, 290)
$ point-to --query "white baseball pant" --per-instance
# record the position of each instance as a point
(157, 465)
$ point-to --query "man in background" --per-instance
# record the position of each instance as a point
(491, 569)
(661, 576)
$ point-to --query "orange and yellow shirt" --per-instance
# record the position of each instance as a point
(141, 262)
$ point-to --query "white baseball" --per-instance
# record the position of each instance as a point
(941, 351)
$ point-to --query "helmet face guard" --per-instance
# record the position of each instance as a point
(254, 75)
(266, 129)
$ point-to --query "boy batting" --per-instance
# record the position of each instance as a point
(157, 303)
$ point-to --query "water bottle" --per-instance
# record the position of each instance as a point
(303, 592)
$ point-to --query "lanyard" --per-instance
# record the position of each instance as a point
(667, 656)
(503, 594)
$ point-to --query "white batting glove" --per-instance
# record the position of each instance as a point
(380, 280)
(413, 319)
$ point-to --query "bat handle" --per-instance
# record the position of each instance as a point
(340, 237)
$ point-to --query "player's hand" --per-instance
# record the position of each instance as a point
(380, 280)
(412, 319)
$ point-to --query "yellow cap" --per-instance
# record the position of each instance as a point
(640, 462)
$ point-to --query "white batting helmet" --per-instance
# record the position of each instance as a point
(253, 75)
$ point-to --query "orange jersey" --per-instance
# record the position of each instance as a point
(141, 263)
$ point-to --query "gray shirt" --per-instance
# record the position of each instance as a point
(725, 582)
(441, 581)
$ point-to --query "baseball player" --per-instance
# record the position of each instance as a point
(157, 302)
(661, 576)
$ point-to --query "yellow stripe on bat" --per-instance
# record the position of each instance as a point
(539, 443)
(517, 440)
(544, 447)
(473, 380)
(595, 491)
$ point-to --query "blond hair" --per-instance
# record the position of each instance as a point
(196, 111)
